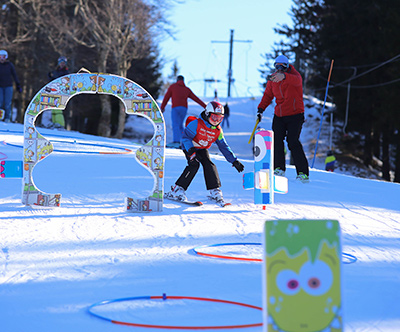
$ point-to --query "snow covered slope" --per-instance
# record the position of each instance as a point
(55, 263)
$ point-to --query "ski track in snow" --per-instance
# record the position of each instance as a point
(54, 263)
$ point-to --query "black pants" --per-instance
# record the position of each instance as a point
(290, 127)
(210, 171)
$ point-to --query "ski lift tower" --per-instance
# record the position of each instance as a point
(230, 79)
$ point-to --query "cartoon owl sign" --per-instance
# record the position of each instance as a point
(262, 180)
(302, 276)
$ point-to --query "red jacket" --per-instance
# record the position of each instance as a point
(288, 94)
(180, 94)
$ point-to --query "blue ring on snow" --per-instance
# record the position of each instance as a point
(351, 258)
(113, 301)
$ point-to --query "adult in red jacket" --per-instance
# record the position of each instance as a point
(286, 86)
(179, 93)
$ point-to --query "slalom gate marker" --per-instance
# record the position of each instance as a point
(263, 180)
(164, 297)
(254, 130)
(322, 113)
(346, 258)
(302, 276)
(55, 96)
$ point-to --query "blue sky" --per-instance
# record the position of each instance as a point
(200, 22)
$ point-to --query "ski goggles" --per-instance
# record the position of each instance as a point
(281, 66)
(216, 117)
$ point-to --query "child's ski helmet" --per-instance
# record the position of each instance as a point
(214, 112)
(214, 107)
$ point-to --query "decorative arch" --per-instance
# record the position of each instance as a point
(56, 94)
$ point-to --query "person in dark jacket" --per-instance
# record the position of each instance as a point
(61, 69)
(197, 138)
(179, 93)
(286, 86)
(226, 116)
(57, 116)
(7, 76)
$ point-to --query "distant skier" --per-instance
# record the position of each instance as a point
(285, 84)
(226, 116)
(179, 93)
(197, 138)
(61, 69)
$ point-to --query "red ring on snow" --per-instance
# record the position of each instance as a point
(198, 252)
(164, 297)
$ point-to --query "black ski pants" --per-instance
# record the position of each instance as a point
(210, 171)
(290, 127)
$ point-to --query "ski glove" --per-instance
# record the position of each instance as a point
(259, 114)
(238, 165)
(277, 76)
(19, 89)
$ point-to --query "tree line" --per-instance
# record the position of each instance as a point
(114, 36)
(361, 37)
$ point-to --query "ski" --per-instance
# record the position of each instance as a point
(221, 203)
(193, 203)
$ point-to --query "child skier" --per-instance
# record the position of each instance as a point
(197, 138)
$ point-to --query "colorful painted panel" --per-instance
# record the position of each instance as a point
(302, 276)
(262, 179)
(56, 94)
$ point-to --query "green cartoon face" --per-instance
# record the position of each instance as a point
(303, 288)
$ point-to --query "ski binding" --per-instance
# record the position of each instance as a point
(221, 203)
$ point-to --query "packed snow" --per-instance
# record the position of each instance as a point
(56, 263)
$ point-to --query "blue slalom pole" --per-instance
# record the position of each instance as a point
(322, 115)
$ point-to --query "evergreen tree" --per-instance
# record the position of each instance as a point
(360, 35)
(300, 42)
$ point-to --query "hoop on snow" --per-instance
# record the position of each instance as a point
(3, 156)
(350, 258)
(165, 297)
(198, 250)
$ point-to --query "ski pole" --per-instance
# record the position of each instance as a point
(322, 115)
(255, 127)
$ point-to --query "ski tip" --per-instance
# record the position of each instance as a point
(198, 203)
